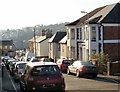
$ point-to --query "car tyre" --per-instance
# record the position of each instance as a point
(68, 71)
(94, 76)
(77, 73)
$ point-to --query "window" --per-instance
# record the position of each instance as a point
(93, 28)
(93, 35)
(62, 48)
(87, 33)
(10, 47)
(99, 30)
(41, 70)
(99, 47)
(6, 47)
(72, 33)
(80, 33)
(83, 33)
(94, 51)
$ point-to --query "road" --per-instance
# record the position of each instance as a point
(99, 83)
(73, 84)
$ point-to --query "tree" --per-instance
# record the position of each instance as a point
(1, 52)
(102, 60)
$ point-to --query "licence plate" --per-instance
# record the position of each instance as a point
(48, 85)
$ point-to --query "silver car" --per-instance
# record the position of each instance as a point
(83, 69)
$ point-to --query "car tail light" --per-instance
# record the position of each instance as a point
(83, 68)
(62, 76)
(30, 78)
(16, 70)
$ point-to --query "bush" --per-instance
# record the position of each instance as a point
(102, 60)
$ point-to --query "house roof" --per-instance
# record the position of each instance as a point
(84, 18)
(105, 14)
(57, 37)
(40, 38)
(109, 14)
(6, 42)
(63, 40)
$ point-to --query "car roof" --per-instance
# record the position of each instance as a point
(32, 64)
(63, 59)
(20, 62)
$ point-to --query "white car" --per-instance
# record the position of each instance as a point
(18, 68)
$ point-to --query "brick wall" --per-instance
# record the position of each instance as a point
(113, 49)
(111, 33)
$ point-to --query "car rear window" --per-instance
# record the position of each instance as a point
(49, 69)
(66, 61)
(21, 66)
(87, 63)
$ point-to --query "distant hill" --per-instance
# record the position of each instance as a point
(21, 36)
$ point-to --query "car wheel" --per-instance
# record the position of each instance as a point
(68, 71)
(77, 73)
(94, 76)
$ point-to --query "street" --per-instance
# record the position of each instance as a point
(72, 84)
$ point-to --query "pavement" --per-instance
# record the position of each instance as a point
(112, 78)
(6, 82)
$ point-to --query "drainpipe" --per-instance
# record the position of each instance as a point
(102, 40)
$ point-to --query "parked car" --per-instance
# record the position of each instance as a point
(45, 60)
(5, 58)
(82, 69)
(33, 59)
(10, 65)
(18, 68)
(63, 64)
(42, 76)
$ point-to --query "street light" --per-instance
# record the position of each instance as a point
(35, 39)
(87, 32)
(34, 42)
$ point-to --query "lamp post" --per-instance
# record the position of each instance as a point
(87, 33)
(34, 41)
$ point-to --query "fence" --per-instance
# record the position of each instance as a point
(113, 68)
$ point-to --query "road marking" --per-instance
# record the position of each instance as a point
(1, 84)
(12, 82)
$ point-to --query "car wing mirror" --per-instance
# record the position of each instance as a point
(21, 75)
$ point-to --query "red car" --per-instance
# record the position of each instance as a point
(42, 76)
(63, 64)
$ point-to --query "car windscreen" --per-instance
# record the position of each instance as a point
(48, 69)
(66, 61)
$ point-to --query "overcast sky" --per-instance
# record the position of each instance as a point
(15, 14)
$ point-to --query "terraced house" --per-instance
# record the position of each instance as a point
(98, 31)
(8, 47)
